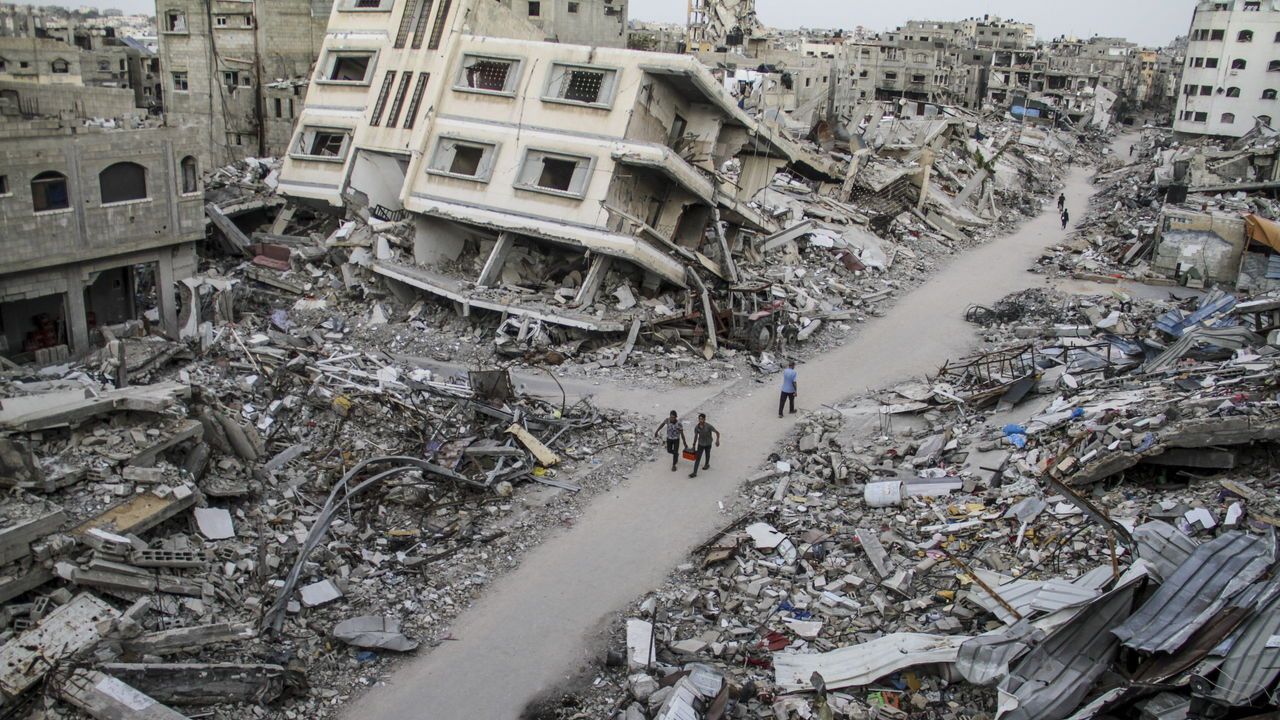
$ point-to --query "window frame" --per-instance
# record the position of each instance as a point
(66, 184)
(1227, 118)
(512, 84)
(331, 57)
(350, 6)
(1269, 94)
(1244, 36)
(571, 194)
(605, 102)
(182, 176)
(301, 141)
(53, 66)
(186, 27)
(6, 189)
(436, 165)
(186, 80)
(146, 186)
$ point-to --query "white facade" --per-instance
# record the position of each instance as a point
(1232, 70)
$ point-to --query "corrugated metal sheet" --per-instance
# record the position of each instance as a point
(1197, 590)
(865, 663)
(1165, 706)
(1030, 597)
(1273, 267)
(985, 660)
(1250, 667)
(1052, 679)
(1164, 546)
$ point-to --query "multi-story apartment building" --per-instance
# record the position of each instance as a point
(498, 145)
(1231, 74)
(94, 225)
(994, 33)
(238, 70)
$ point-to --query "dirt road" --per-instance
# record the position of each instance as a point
(533, 628)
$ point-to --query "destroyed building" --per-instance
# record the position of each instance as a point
(1229, 80)
(97, 225)
(505, 151)
(239, 71)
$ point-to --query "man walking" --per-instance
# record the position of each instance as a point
(788, 388)
(1066, 218)
(1062, 202)
(702, 438)
(675, 437)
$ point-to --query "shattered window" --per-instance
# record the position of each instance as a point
(488, 74)
(1233, 92)
(590, 86)
(463, 159)
(466, 160)
(1268, 94)
(60, 67)
(1228, 118)
(323, 143)
(175, 22)
(1273, 66)
(555, 173)
(350, 68)
(1245, 36)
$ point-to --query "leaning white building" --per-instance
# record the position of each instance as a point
(1232, 72)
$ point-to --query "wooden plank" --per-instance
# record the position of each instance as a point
(544, 454)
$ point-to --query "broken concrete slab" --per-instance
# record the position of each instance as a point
(67, 630)
(107, 698)
(61, 409)
(376, 632)
(215, 523)
(141, 512)
(319, 593)
(202, 683)
(168, 642)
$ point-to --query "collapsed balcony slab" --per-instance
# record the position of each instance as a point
(451, 289)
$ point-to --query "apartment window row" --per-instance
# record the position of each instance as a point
(1231, 92)
(117, 183)
(544, 171)
(565, 83)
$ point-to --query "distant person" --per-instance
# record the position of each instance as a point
(1066, 218)
(675, 437)
(702, 439)
(1062, 202)
(788, 388)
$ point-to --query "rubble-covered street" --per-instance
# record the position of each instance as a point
(352, 356)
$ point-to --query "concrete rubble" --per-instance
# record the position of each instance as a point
(167, 548)
(1083, 514)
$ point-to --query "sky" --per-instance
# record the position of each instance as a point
(1146, 22)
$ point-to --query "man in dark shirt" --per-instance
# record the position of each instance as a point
(702, 439)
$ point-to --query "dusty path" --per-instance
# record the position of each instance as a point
(532, 629)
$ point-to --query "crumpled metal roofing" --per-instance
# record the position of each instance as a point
(1200, 587)
(985, 659)
(1051, 680)
(865, 663)
(1164, 546)
(1250, 666)
(1030, 597)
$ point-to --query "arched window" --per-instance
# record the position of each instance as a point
(60, 66)
(1239, 64)
(1245, 36)
(49, 192)
(1228, 118)
(1268, 94)
(1233, 92)
(123, 181)
(1265, 120)
(190, 175)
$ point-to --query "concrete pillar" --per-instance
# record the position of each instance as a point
(492, 271)
(595, 278)
(73, 307)
(165, 292)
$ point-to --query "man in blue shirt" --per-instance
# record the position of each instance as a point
(788, 388)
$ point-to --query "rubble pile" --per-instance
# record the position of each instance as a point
(1164, 178)
(269, 520)
(1100, 543)
(919, 191)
